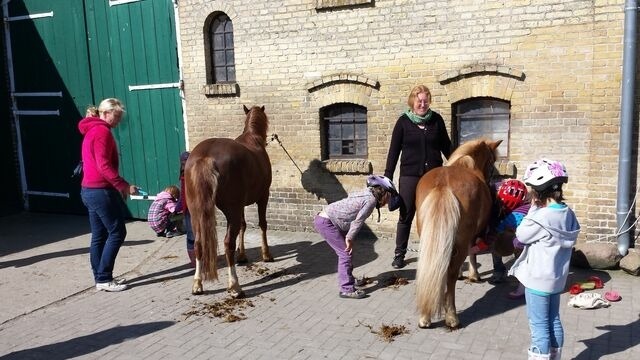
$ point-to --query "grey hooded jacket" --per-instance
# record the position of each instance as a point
(549, 234)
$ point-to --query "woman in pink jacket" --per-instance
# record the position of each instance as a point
(103, 191)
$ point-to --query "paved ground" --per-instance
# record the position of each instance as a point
(49, 309)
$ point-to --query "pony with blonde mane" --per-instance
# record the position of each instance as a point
(453, 205)
(228, 174)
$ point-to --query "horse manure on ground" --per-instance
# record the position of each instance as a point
(255, 268)
(227, 309)
(388, 332)
(395, 281)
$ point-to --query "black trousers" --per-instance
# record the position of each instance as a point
(407, 190)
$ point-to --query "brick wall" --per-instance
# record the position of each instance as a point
(557, 63)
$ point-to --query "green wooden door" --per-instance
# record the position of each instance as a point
(134, 57)
(51, 84)
(72, 53)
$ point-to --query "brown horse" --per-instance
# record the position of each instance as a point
(453, 205)
(229, 174)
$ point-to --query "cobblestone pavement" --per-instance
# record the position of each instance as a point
(50, 310)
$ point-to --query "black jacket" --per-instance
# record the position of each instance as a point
(420, 148)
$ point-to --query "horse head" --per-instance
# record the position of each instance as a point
(477, 155)
(256, 124)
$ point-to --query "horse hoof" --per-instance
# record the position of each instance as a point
(196, 289)
(236, 294)
(268, 259)
(424, 324)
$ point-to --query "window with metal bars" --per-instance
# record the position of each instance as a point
(222, 68)
(344, 131)
(482, 118)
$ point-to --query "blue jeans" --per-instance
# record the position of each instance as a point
(544, 321)
(189, 230)
(335, 238)
(107, 220)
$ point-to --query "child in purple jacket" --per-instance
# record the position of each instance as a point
(340, 222)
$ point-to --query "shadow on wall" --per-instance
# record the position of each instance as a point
(321, 183)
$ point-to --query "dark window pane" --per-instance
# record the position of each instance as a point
(335, 148)
(231, 74)
(344, 130)
(334, 132)
(221, 73)
(484, 118)
(229, 56)
(347, 131)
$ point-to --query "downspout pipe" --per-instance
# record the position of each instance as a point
(626, 126)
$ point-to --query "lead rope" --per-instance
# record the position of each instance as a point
(275, 137)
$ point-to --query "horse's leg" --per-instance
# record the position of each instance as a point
(233, 227)
(262, 220)
(241, 258)
(196, 288)
(450, 313)
(473, 276)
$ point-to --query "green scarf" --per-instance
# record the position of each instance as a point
(418, 120)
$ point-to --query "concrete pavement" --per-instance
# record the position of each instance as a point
(50, 310)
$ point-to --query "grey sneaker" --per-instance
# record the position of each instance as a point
(356, 294)
(111, 286)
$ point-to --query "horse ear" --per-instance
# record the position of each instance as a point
(262, 108)
(246, 111)
(495, 145)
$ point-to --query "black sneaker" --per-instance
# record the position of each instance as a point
(398, 262)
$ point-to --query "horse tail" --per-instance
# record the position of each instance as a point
(440, 214)
(202, 183)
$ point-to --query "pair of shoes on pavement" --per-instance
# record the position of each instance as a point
(355, 294)
(398, 262)
(112, 286)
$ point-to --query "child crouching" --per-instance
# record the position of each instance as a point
(340, 222)
(161, 212)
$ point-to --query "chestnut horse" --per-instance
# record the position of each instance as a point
(228, 174)
(453, 204)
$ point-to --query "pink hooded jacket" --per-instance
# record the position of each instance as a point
(99, 156)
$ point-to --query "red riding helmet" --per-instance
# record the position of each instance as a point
(512, 192)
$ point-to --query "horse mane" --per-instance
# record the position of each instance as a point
(256, 124)
(472, 155)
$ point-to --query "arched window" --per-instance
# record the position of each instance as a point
(482, 118)
(344, 131)
(221, 59)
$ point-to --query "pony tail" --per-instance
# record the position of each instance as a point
(202, 179)
(437, 238)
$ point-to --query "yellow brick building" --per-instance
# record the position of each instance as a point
(557, 65)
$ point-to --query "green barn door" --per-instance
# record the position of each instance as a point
(134, 57)
(49, 80)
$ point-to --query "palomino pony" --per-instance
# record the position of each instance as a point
(229, 174)
(453, 205)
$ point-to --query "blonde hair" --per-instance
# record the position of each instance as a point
(109, 105)
(91, 111)
(173, 190)
(414, 93)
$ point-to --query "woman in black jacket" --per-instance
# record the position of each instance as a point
(421, 137)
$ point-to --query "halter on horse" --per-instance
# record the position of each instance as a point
(453, 205)
(228, 174)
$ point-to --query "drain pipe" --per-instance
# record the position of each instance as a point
(626, 126)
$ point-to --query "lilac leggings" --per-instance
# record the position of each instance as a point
(335, 238)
